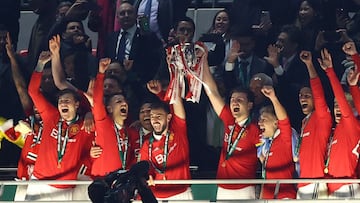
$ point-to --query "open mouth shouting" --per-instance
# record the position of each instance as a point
(236, 109)
(123, 110)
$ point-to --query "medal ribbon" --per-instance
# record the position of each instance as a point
(298, 144)
(231, 147)
(122, 154)
(165, 153)
(61, 147)
(267, 153)
(37, 138)
(328, 150)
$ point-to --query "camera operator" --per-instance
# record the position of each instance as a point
(122, 186)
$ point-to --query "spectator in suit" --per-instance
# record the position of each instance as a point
(241, 62)
(290, 73)
(138, 52)
(161, 15)
(139, 49)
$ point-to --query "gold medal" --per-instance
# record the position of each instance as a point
(296, 159)
(59, 165)
(326, 170)
(223, 164)
(164, 177)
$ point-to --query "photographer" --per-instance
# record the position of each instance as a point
(121, 186)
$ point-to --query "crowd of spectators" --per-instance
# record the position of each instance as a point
(268, 51)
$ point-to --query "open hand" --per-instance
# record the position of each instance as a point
(9, 48)
(325, 61)
(54, 44)
(273, 55)
(353, 77)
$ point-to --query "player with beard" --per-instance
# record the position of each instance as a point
(343, 150)
(114, 141)
(310, 150)
(238, 158)
(276, 152)
(167, 149)
(62, 140)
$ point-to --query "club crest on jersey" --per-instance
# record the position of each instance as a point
(171, 137)
(74, 129)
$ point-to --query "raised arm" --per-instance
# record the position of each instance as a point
(99, 109)
(20, 84)
(39, 100)
(321, 107)
(211, 90)
(350, 49)
(154, 86)
(353, 80)
(326, 64)
(56, 67)
(280, 111)
(306, 57)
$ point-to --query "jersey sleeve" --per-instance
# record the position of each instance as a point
(99, 106)
(45, 109)
(321, 108)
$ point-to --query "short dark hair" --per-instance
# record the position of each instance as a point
(112, 77)
(249, 94)
(237, 32)
(109, 97)
(160, 105)
(186, 19)
(293, 33)
(74, 93)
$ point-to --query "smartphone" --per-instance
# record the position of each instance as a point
(144, 23)
(264, 20)
(265, 17)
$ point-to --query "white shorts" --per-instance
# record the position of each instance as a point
(346, 191)
(243, 193)
(313, 191)
(47, 192)
(80, 192)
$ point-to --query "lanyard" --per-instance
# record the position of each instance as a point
(62, 146)
(142, 134)
(327, 160)
(231, 146)
(122, 154)
(267, 153)
(298, 144)
(165, 153)
(37, 138)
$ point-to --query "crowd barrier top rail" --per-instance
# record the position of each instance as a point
(194, 181)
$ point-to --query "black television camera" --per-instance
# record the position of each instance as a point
(120, 186)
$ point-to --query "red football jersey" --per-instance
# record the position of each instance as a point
(344, 152)
(106, 137)
(243, 163)
(177, 159)
(280, 163)
(29, 153)
(315, 136)
(47, 165)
